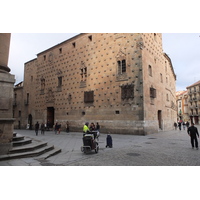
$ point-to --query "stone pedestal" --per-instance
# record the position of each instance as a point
(6, 104)
(6, 96)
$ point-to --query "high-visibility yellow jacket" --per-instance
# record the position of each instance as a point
(85, 129)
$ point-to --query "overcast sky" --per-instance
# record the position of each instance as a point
(182, 48)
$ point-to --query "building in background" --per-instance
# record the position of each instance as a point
(182, 106)
(194, 102)
(124, 81)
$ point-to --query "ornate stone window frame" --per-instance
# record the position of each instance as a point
(121, 66)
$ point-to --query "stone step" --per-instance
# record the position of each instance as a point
(18, 138)
(36, 152)
(29, 147)
(51, 153)
(22, 142)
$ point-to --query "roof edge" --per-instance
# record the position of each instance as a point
(68, 40)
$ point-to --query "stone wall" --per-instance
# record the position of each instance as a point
(84, 79)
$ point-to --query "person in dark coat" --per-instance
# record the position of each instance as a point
(193, 133)
(36, 128)
(42, 128)
(109, 141)
(179, 125)
(187, 124)
(98, 127)
(175, 125)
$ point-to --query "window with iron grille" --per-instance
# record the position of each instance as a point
(127, 91)
(89, 96)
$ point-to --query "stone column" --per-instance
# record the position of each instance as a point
(6, 96)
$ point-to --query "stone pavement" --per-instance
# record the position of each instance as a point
(171, 148)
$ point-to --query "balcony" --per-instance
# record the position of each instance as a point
(42, 91)
(190, 100)
(190, 92)
(195, 99)
(193, 107)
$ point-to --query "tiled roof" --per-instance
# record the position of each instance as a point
(197, 83)
(180, 92)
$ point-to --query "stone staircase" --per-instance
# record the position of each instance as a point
(24, 147)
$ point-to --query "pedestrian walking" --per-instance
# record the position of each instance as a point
(193, 133)
(187, 124)
(48, 125)
(184, 125)
(59, 128)
(36, 128)
(42, 128)
(56, 128)
(179, 125)
(175, 125)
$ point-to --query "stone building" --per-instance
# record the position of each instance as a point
(182, 106)
(194, 99)
(124, 81)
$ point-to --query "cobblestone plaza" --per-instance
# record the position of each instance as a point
(160, 149)
(171, 148)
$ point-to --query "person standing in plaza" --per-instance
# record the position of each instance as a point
(36, 128)
(67, 127)
(193, 133)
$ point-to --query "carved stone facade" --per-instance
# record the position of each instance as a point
(124, 81)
